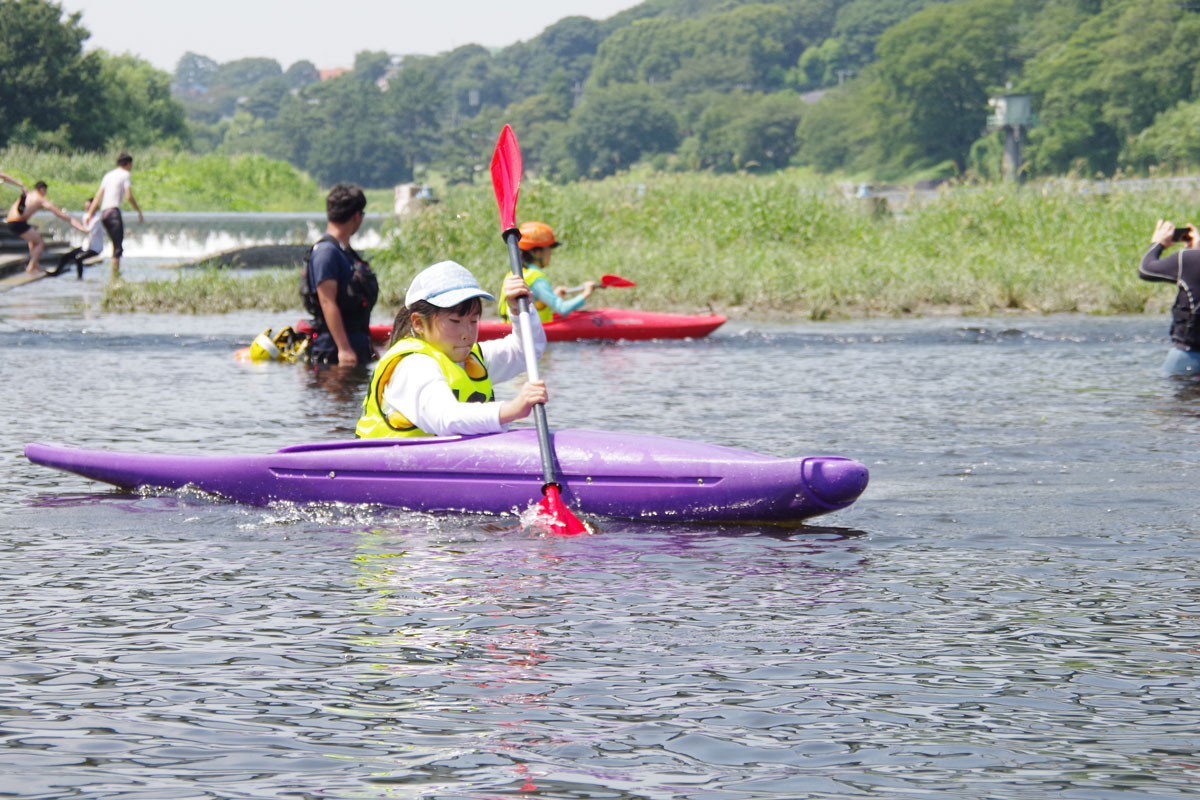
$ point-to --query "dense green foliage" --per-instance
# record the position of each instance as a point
(878, 89)
(771, 246)
(53, 95)
(724, 85)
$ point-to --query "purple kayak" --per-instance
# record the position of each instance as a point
(610, 474)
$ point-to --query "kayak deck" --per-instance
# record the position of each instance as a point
(632, 476)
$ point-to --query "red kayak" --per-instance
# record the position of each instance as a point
(596, 323)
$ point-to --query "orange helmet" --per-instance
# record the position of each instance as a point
(536, 234)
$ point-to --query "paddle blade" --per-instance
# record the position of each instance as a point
(506, 177)
(556, 516)
(615, 282)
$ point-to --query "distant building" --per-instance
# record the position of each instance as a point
(330, 74)
(393, 68)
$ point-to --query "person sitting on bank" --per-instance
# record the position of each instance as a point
(537, 241)
(338, 287)
(436, 378)
(19, 213)
(1182, 269)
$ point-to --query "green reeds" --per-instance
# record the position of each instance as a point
(778, 246)
(781, 246)
(208, 290)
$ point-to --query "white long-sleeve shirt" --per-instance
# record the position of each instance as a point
(418, 389)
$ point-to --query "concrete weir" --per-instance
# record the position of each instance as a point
(256, 256)
(14, 257)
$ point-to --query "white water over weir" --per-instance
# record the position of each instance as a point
(186, 236)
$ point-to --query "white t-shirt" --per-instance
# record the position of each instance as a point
(94, 239)
(418, 389)
(114, 184)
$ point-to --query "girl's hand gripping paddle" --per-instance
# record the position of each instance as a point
(506, 181)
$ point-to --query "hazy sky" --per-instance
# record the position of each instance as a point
(325, 32)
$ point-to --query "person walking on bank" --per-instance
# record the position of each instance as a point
(1182, 269)
(338, 287)
(25, 207)
(115, 187)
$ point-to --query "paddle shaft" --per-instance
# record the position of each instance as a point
(511, 238)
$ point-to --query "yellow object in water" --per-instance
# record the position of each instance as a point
(287, 345)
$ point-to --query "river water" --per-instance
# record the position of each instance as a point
(1009, 611)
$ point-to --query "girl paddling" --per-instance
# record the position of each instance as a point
(537, 242)
(435, 379)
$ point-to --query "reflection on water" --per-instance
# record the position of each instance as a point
(1008, 611)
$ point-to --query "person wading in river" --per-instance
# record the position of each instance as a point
(338, 287)
(18, 222)
(1182, 269)
(115, 187)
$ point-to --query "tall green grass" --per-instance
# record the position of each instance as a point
(777, 246)
(166, 180)
(210, 290)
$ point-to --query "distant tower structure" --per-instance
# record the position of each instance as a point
(1013, 113)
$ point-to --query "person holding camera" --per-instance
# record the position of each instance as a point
(1183, 269)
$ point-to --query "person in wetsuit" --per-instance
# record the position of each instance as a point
(1183, 269)
(338, 287)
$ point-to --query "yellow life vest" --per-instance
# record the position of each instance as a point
(545, 312)
(469, 382)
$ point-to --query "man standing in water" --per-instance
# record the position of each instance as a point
(338, 287)
(19, 213)
(115, 186)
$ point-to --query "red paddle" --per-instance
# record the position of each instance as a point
(607, 282)
(506, 181)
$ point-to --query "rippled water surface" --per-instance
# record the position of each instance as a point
(1009, 611)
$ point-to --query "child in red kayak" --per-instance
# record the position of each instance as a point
(435, 379)
(537, 242)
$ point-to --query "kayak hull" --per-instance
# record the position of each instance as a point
(609, 474)
(613, 324)
(594, 323)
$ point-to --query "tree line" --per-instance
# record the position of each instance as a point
(866, 87)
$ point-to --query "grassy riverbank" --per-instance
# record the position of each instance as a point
(780, 247)
(166, 180)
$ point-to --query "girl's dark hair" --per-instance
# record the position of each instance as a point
(402, 325)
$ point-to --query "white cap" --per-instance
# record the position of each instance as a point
(445, 285)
